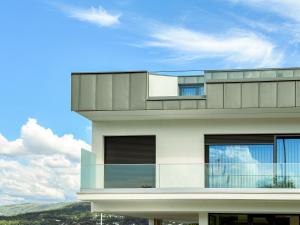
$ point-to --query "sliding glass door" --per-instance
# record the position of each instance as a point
(288, 161)
(253, 219)
(252, 161)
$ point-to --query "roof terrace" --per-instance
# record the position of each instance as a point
(200, 92)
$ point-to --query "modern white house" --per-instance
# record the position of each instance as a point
(214, 148)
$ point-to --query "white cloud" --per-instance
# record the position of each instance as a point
(35, 139)
(39, 166)
(98, 16)
(235, 166)
(286, 8)
(237, 46)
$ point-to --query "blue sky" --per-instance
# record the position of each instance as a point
(43, 41)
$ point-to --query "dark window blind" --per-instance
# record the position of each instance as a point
(129, 150)
(239, 139)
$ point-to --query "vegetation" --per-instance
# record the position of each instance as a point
(280, 183)
(70, 214)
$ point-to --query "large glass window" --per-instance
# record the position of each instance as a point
(253, 219)
(191, 90)
(288, 161)
(251, 161)
(288, 149)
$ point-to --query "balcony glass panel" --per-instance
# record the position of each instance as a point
(129, 176)
(88, 170)
(252, 175)
(181, 175)
(226, 172)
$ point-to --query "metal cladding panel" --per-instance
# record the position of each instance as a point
(219, 75)
(191, 80)
(249, 95)
(138, 91)
(188, 104)
(268, 74)
(202, 104)
(286, 94)
(268, 94)
(285, 73)
(170, 104)
(297, 73)
(298, 93)
(235, 75)
(120, 92)
(208, 75)
(181, 80)
(74, 92)
(87, 92)
(252, 74)
(214, 95)
(104, 92)
(154, 105)
(232, 95)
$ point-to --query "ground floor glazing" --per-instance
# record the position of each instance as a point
(253, 219)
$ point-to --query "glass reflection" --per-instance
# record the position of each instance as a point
(129, 176)
(238, 166)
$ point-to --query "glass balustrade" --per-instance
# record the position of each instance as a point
(197, 175)
(129, 176)
(252, 175)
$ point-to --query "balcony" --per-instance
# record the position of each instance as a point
(202, 175)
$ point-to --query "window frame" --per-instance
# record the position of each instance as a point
(198, 86)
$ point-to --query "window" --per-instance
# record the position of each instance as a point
(252, 219)
(129, 162)
(239, 161)
(130, 150)
(191, 89)
(252, 161)
(239, 148)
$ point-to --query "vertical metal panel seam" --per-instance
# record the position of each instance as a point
(95, 92)
(295, 86)
(277, 94)
(79, 91)
(129, 92)
(112, 92)
(241, 95)
(111, 76)
(223, 106)
(259, 95)
(293, 73)
(96, 96)
(145, 96)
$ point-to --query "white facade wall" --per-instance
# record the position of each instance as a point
(180, 143)
(163, 86)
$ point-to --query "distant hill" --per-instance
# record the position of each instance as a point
(60, 214)
(16, 209)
